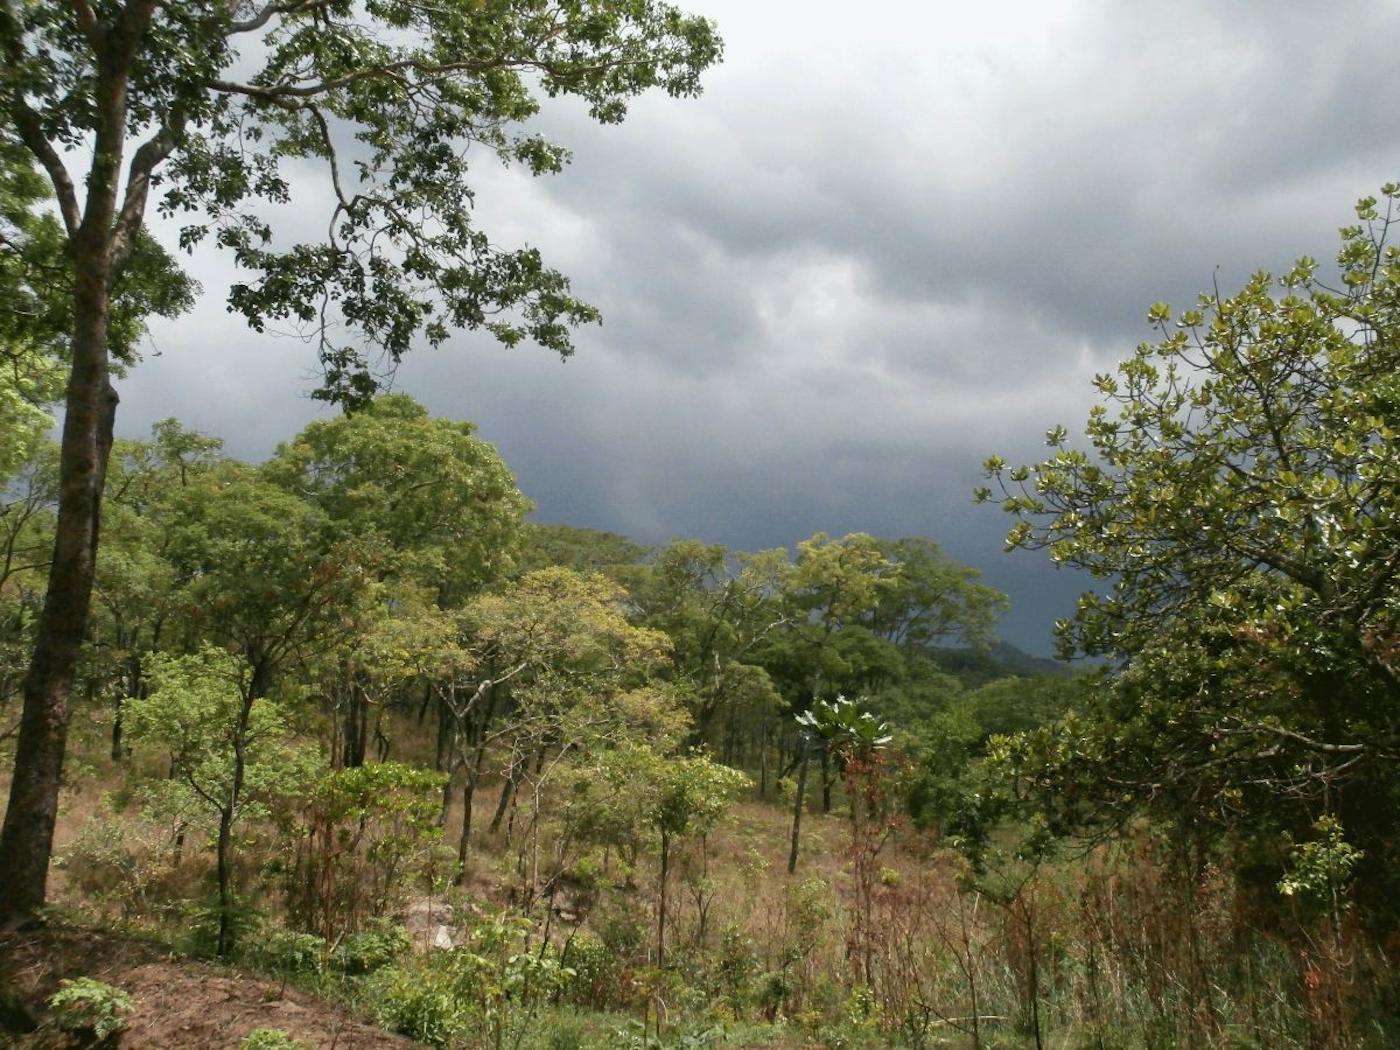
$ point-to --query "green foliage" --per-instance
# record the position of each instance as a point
(268, 576)
(632, 796)
(689, 795)
(36, 305)
(271, 1039)
(278, 950)
(586, 551)
(636, 1037)
(427, 490)
(491, 988)
(1240, 498)
(211, 926)
(355, 841)
(199, 715)
(422, 1002)
(1318, 871)
(378, 945)
(403, 257)
(845, 728)
(89, 1008)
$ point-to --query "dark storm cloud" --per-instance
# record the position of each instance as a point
(884, 244)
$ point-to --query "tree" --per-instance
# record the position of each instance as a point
(1242, 504)
(36, 304)
(437, 505)
(427, 490)
(634, 792)
(858, 741)
(38, 311)
(265, 573)
(552, 657)
(717, 611)
(583, 550)
(935, 600)
(137, 584)
(203, 103)
(225, 743)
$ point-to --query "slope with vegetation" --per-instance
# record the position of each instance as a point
(360, 755)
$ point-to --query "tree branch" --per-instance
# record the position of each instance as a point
(138, 187)
(30, 128)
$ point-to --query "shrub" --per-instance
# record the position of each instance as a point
(203, 920)
(89, 1009)
(422, 1002)
(272, 1039)
(595, 982)
(372, 948)
(356, 841)
(286, 951)
(111, 864)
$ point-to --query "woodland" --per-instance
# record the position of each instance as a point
(343, 748)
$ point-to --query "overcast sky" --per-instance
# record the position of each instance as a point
(889, 240)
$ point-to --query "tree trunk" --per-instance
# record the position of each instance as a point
(117, 729)
(224, 944)
(26, 840)
(517, 770)
(240, 765)
(464, 843)
(661, 903)
(90, 407)
(763, 766)
(356, 726)
(135, 686)
(797, 803)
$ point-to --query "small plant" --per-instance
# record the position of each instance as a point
(373, 948)
(272, 1039)
(422, 1003)
(90, 1010)
(287, 952)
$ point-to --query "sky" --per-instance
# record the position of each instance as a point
(889, 240)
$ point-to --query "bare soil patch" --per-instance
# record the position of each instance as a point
(179, 1003)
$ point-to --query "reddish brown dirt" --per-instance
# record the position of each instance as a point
(180, 1004)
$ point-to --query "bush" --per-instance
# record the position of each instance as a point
(286, 951)
(422, 1002)
(111, 864)
(356, 841)
(373, 948)
(595, 983)
(272, 1039)
(90, 1010)
(201, 935)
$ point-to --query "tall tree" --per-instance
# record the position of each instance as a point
(203, 102)
(436, 498)
(717, 609)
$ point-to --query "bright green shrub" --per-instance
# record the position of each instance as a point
(89, 1009)
(372, 948)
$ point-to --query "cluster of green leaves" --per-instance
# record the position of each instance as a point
(356, 842)
(1241, 502)
(90, 1009)
(396, 101)
(490, 989)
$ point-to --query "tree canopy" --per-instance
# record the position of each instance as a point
(1240, 501)
(203, 110)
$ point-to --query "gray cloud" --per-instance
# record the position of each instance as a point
(886, 243)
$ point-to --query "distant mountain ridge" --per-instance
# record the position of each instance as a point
(998, 660)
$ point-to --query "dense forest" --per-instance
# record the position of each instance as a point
(343, 748)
